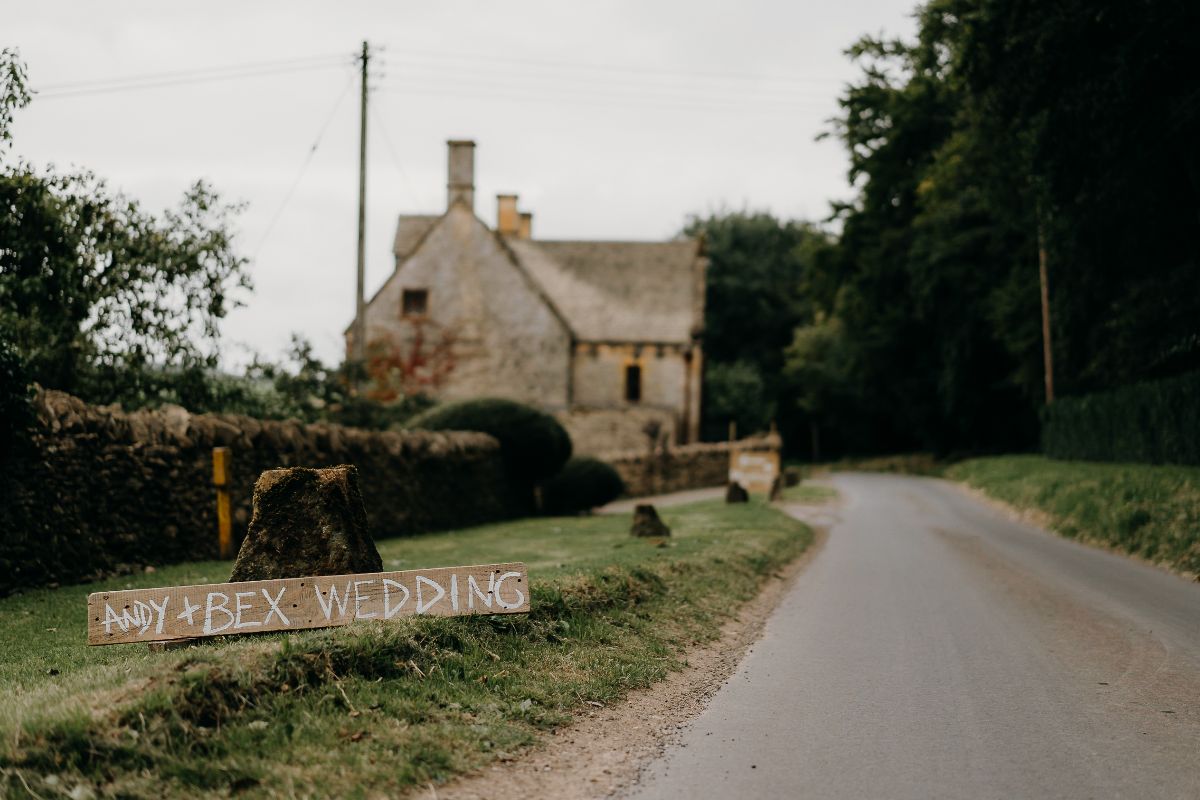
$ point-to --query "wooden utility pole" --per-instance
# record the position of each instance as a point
(360, 330)
(1047, 353)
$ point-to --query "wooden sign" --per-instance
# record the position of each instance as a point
(755, 470)
(293, 604)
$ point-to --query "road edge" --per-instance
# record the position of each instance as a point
(605, 749)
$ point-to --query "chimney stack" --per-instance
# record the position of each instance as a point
(525, 226)
(460, 185)
(507, 219)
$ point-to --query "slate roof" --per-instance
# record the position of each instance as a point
(617, 291)
(410, 230)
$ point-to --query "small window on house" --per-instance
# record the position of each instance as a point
(414, 302)
(633, 383)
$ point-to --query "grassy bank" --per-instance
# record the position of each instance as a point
(374, 709)
(1149, 511)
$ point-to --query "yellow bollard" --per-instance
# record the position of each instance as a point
(224, 520)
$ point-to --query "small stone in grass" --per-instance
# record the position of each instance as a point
(736, 493)
(646, 523)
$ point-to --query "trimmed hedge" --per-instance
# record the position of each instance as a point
(582, 484)
(16, 412)
(1156, 422)
(533, 443)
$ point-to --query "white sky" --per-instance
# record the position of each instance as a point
(612, 120)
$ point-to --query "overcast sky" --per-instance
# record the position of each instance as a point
(611, 120)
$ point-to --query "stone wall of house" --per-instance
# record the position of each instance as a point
(486, 331)
(598, 431)
(101, 491)
(691, 466)
(600, 375)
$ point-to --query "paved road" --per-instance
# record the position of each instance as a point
(937, 649)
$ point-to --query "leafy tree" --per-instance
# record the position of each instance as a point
(1006, 123)
(1101, 104)
(756, 297)
(13, 93)
(819, 362)
(99, 297)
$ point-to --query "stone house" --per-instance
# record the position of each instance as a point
(604, 334)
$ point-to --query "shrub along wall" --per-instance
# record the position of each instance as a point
(1157, 422)
(101, 491)
(691, 466)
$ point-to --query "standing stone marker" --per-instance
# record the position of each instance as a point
(292, 604)
(306, 522)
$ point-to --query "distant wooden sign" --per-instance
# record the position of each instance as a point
(755, 470)
(292, 604)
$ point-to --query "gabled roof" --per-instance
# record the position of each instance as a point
(617, 291)
(410, 230)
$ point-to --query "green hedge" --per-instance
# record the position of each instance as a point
(534, 444)
(16, 414)
(1157, 422)
(582, 484)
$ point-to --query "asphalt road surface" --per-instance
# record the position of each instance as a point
(936, 648)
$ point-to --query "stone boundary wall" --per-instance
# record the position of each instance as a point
(101, 491)
(690, 466)
(601, 430)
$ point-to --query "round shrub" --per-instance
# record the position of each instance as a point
(583, 484)
(534, 444)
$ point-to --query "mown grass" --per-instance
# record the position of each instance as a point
(809, 494)
(374, 709)
(1150, 511)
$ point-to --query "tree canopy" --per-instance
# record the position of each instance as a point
(1004, 126)
(98, 296)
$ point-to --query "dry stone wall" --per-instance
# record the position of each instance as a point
(100, 491)
(692, 466)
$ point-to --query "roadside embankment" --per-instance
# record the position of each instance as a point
(377, 708)
(1149, 511)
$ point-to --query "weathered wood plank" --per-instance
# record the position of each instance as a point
(755, 470)
(187, 612)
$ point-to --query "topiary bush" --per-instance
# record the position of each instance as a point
(582, 484)
(533, 443)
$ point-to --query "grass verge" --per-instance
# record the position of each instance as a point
(1149, 511)
(375, 709)
(809, 494)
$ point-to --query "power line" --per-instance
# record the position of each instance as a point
(651, 102)
(304, 165)
(698, 91)
(629, 69)
(387, 143)
(182, 77)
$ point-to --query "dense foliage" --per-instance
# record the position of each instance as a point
(103, 299)
(99, 297)
(582, 484)
(534, 444)
(1157, 422)
(16, 413)
(1005, 126)
(756, 296)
